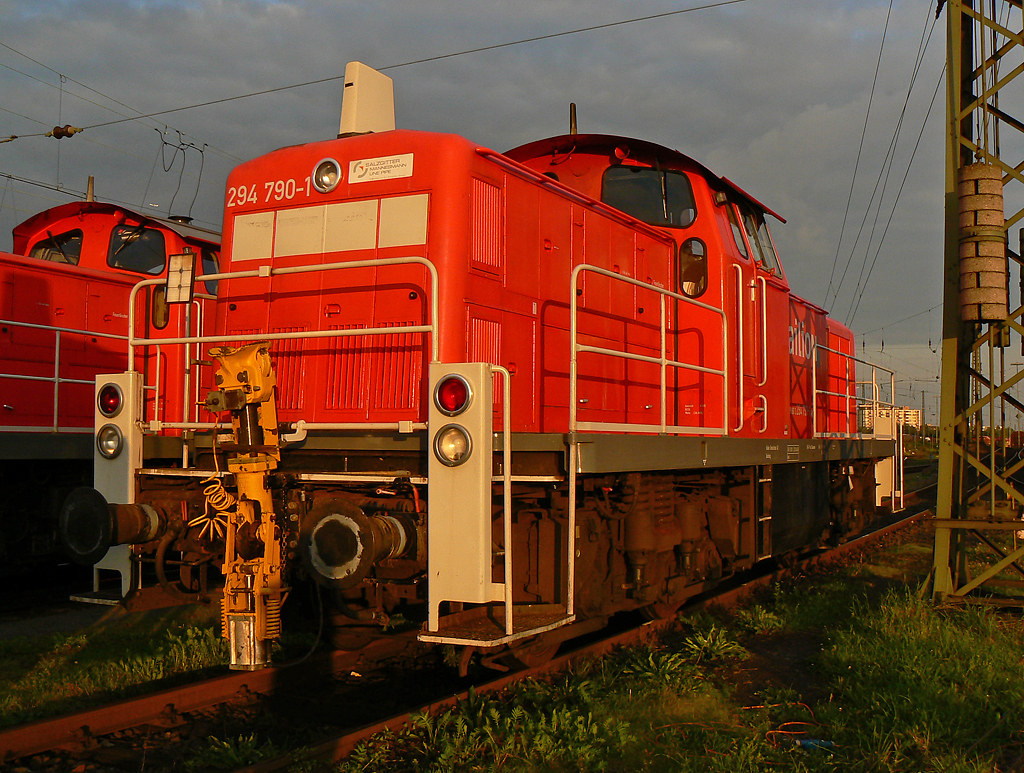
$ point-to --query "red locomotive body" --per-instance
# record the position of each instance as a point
(64, 315)
(509, 394)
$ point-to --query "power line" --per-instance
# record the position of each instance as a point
(860, 149)
(883, 177)
(898, 194)
(79, 194)
(886, 163)
(436, 58)
(897, 322)
(89, 101)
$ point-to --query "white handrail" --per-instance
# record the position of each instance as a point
(874, 404)
(739, 343)
(55, 379)
(269, 271)
(664, 362)
(764, 332)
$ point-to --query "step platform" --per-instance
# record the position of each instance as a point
(484, 626)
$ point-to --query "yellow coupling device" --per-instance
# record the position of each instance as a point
(251, 608)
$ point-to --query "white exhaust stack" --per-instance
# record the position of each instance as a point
(368, 102)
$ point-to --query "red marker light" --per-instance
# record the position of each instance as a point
(452, 395)
(109, 400)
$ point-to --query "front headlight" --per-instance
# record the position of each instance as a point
(109, 441)
(327, 175)
(452, 445)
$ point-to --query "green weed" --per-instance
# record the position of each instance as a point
(759, 620)
(712, 644)
(231, 753)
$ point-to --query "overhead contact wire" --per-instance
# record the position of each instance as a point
(439, 57)
(883, 178)
(860, 149)
(899, 193)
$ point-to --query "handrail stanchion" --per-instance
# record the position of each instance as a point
(664, 367)
(56, 380)
(506, 485)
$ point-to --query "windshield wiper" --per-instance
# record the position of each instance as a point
(56, 244)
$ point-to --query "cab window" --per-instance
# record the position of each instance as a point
(693, 267)
(769, 247)
(764, 253)
(737, 234)
(655, 196)
(210, 260)
(137, 248)
(63, 248)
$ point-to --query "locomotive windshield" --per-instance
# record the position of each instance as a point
(63, 248)
(760, 242)
(655, 196)
(138, 249)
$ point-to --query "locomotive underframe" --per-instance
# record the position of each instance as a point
(702, 509)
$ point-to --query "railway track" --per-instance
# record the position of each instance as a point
(86, 736)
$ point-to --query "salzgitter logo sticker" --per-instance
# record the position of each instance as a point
(366, 170)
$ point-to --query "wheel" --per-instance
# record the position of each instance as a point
(535, 651)
(661, 610)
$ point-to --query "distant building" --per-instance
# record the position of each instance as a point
(908, 417)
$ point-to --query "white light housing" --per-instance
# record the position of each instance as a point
(452, 445)
(327, 175)
(109, 441)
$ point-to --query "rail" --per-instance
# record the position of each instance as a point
(664, 363)
(56, 379)
(857, 402)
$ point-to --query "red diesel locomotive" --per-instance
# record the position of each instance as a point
(64, 319)
(504, 394)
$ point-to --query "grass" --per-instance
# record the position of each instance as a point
(50, 675)
(122, 656)
(889, 683)
(230, 753)
(843, 670)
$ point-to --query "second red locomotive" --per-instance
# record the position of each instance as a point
(64, 309)
(504, 394)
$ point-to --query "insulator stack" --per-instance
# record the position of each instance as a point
(983, 269)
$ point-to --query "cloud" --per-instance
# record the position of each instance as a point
(771, 94)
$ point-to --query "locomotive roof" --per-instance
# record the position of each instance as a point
(566, 143)
(29, 227)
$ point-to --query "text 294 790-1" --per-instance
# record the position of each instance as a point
(273, 190)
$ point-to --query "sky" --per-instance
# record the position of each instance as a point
(773, 94)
